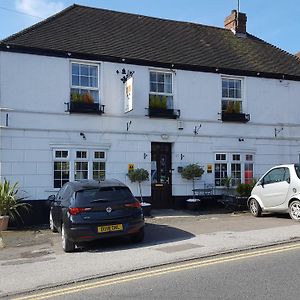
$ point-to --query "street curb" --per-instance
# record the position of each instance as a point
(212, 254)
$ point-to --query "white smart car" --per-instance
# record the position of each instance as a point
(278, 190)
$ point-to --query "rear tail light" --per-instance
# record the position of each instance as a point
(133, 205)
(77, 210)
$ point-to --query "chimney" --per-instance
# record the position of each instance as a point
(236, 22)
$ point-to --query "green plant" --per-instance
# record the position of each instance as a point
(138, 175)
(158, 102)
(229, 107)
(237, 107)
(244, 189)
(191, 172)
(9, 201)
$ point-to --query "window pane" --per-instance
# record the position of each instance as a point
(81, 154)
(93, 82)
(84, 70)
(168, 88)
(93, 71)
(160, 87)
(84, 81)
(75, 80)
(153, 87)
(168, 79)
(61, 174)
(99, 154)
(160, 77)
(152, 76)
(75, 69)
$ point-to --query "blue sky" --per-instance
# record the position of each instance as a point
(275, 21)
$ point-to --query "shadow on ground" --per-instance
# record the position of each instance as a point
(154, 235)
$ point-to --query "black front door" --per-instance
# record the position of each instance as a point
(161, 175)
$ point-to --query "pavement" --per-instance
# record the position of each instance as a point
(32, 259)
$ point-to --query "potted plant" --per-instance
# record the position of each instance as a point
(9, 203)
(192, 172)
(140, 175)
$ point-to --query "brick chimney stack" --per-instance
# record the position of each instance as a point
(236, 22)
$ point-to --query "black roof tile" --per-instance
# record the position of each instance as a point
(108, 35)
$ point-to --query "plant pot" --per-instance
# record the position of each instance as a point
(193, 204)
(146, 207)
(4, 222)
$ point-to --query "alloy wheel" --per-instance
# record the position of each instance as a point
(295, 210)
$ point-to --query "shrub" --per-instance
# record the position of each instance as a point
(191, 172)
(138, 175)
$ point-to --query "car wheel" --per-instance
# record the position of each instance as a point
(255, 208)
(51, 223)
(67, 245)
(138, 237)
(294, 210)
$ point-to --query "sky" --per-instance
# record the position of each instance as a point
(275, 21)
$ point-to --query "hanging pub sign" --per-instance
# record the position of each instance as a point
(128, 95)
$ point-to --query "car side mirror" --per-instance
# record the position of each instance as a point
(261, 182)
(51, 198)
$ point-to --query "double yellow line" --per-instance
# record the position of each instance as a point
(160, 271)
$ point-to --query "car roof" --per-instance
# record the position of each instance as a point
(286, 165)
(87, 184)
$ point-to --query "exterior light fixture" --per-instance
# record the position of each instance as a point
(82, 135)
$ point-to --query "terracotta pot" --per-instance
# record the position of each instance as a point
(3, 222)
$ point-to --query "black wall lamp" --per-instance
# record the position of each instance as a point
(241, 140)
(145, 155)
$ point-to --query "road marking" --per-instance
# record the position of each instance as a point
(159, 271)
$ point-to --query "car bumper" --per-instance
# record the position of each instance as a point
(89, 232)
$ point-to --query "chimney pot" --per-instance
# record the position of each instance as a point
(236, 22)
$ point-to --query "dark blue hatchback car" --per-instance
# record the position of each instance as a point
(88, 210)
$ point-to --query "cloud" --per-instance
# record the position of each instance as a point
(39, 8)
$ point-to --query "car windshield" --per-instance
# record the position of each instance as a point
(104, 194)
(297, 169)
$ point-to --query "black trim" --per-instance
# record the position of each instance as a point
(235, 117)
(86, 108)
(142, 62)
(163, 113)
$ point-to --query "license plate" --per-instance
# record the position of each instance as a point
(109, 228)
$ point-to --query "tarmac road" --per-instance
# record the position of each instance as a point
(32, 260)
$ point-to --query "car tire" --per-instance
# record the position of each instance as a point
(294, 210)
(51, 223)
(254, 208)
(67, 245)
(138, 237)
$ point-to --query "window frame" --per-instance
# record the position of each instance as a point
(87, 88)
(72, 159)
(230, 162)
(170, 96)
(233, 99)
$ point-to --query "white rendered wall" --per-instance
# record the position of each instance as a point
(35, 88)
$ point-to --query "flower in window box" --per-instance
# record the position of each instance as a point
(75, 97)
(88, 98)
(230, 107)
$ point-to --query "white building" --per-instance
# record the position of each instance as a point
(221, 98)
